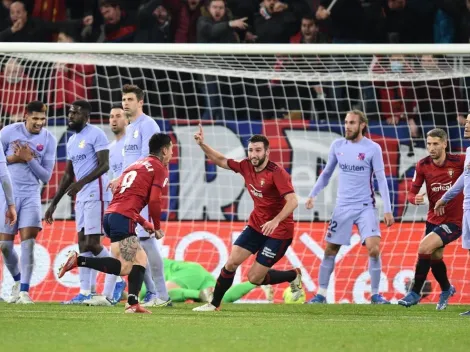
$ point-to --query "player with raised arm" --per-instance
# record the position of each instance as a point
(30, 151)
(114, 286)
(462, 184)
(140, 184)
(88, 163)
(270, 228)
(440, 171)
(359, 159)
(10, 257)
(139, 131)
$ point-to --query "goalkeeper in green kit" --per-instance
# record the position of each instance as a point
(191, 281)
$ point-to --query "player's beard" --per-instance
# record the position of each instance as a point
(75, 126)
(353, 136)
(260, 161)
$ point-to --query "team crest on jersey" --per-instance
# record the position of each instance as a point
(136, 134)
(262, 182)
(82, 144)
(450, 172)
(39, 147)
(361, 156)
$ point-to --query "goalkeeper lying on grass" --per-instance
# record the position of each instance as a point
(190, 281)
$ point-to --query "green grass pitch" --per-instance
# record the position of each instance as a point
(238, 327)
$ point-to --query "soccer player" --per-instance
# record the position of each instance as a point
(140, 184)
(9, 216)
(463, 183)
(114, 286)
(88, 163)
(30, 151)
(270, 228)
(191, 281)
(440, 171)
(359, 159)
(139, 131)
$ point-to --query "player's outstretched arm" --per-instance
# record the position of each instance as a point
(324, 177)
(213, 155)
(449, 195)
(103, 166)
(65, 183)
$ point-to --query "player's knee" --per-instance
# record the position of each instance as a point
(374, 251)
(255, 278)
(331, 251)
(425, 249)
(126, 268)
(140, 258)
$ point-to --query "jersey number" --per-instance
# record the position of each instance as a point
(128, 180)
(332, 226)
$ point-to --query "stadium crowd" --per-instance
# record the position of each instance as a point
(436, 102)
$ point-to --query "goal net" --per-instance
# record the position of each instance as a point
(298, 97)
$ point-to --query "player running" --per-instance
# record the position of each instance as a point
(30, 151)
(440, 171)
(359, 159)
(270, 228)
(140, 184)
(88, 163)
(463, 183)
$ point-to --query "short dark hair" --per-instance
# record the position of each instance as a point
(437, 132)
(36, 106)
(310, 17)
(110, 3)
(84, 105)
(116, 106)
(132, 88)
(157, 142)
(259, 138)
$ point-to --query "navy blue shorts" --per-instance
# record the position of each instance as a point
(447, 232)
(270, 250)
(118, 227)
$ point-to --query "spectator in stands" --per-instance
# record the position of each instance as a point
(153, 23)
(215, 26)
(309, 33)
(69, 82)
(119, 24)
(397, 100)
(4, 13)
(276, 22)
(16, 89)
(186, 26)
(23, 28)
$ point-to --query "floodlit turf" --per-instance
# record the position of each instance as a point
(239, 327)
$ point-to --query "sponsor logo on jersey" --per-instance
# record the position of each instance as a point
(82, 144)
(256, 192)
(131, 147)
(78, 157)
(438, 187)
(348, 167)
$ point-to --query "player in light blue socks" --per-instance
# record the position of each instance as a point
(358, 158)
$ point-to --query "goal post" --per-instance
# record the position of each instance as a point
(297, 95)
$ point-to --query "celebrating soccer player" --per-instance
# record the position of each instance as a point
(270, 228)
(140, 184)
(358, 158)
(30, 151)
(463, 183)
(139, 131)
(114, 286)
(440, 171)
(88, 162)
